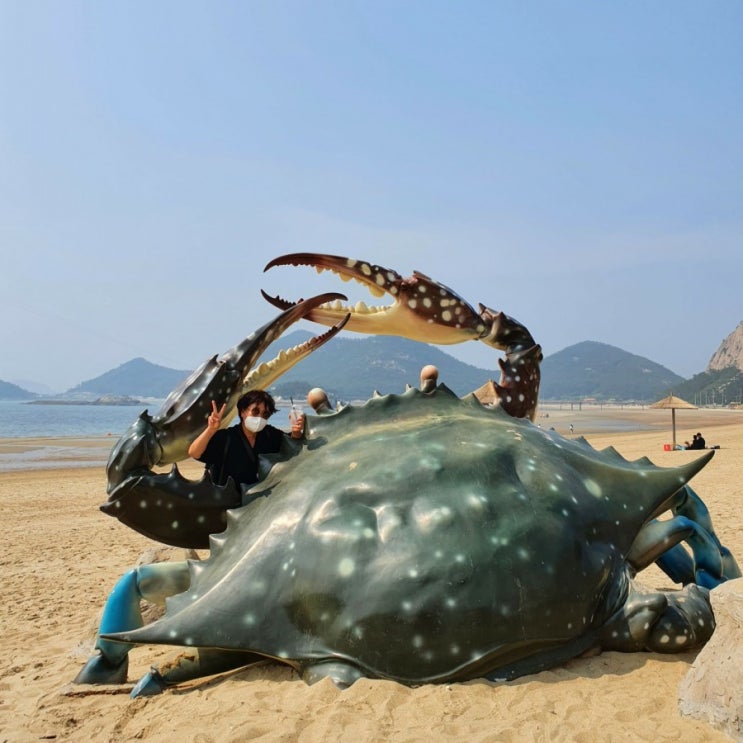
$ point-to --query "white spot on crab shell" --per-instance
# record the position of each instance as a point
(451, 603)
(592, 487)
(346, 567)
(172, 634)
(358, 632)
(682, 640)
(446, 316)
(665, 639)
(256, 587)
(417, 641)
(188, 641)
(475, 502)
(143, 503)
(413, 573)
(283, 654)
(406, 606)
(460, 558)
(700, 621)
(412, 303)
(174, 525)
(523, 553)
(249, 619)
(454, 650)
(368, 533)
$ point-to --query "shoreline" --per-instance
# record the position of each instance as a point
(64, 452)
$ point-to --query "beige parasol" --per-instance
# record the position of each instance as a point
(673, 403)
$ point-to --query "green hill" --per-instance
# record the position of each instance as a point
(351, 369)
(135, 378)
(10, 391)
(713, 387)
(591, 369)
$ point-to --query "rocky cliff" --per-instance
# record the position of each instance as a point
(730, 352)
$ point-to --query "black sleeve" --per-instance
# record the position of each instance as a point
(215, 448)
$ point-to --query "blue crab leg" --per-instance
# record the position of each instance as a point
(664, 622)
(153, 582)
(427, 311)
(710, 562)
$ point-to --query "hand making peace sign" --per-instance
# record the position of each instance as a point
(214, 421)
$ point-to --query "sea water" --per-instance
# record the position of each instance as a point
(101, 425)
(28, 420)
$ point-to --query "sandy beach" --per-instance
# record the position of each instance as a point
(63, 556)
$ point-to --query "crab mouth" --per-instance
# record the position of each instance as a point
(422, 309)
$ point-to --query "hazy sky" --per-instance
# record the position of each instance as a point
(576, 164)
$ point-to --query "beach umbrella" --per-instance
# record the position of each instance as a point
(673, 404)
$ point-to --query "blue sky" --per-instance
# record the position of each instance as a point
(577, 165)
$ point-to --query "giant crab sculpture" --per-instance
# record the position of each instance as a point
(419, 537)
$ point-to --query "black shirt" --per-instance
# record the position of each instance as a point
(229, 453)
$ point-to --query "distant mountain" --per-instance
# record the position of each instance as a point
(591, 369)
(10, 391)
(350, 369)
(722, 382)
(135, 378)
(35, 387)
(730, 352)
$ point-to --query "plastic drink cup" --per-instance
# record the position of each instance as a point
(295, 413)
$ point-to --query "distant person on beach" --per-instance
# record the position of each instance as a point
(697, 442)
(233, 452)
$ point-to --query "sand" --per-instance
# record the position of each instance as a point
(63, 556)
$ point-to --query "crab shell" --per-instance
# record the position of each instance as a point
(424, 538)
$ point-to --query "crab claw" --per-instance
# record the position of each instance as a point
(423, 310)
(169, 507)
(427, 311)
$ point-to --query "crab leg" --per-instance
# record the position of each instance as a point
(427, 311)
(153, 582)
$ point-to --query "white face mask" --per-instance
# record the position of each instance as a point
(254, 423)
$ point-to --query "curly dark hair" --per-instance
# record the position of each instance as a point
(254, 396)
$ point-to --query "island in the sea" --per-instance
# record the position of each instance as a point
(105, 400)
